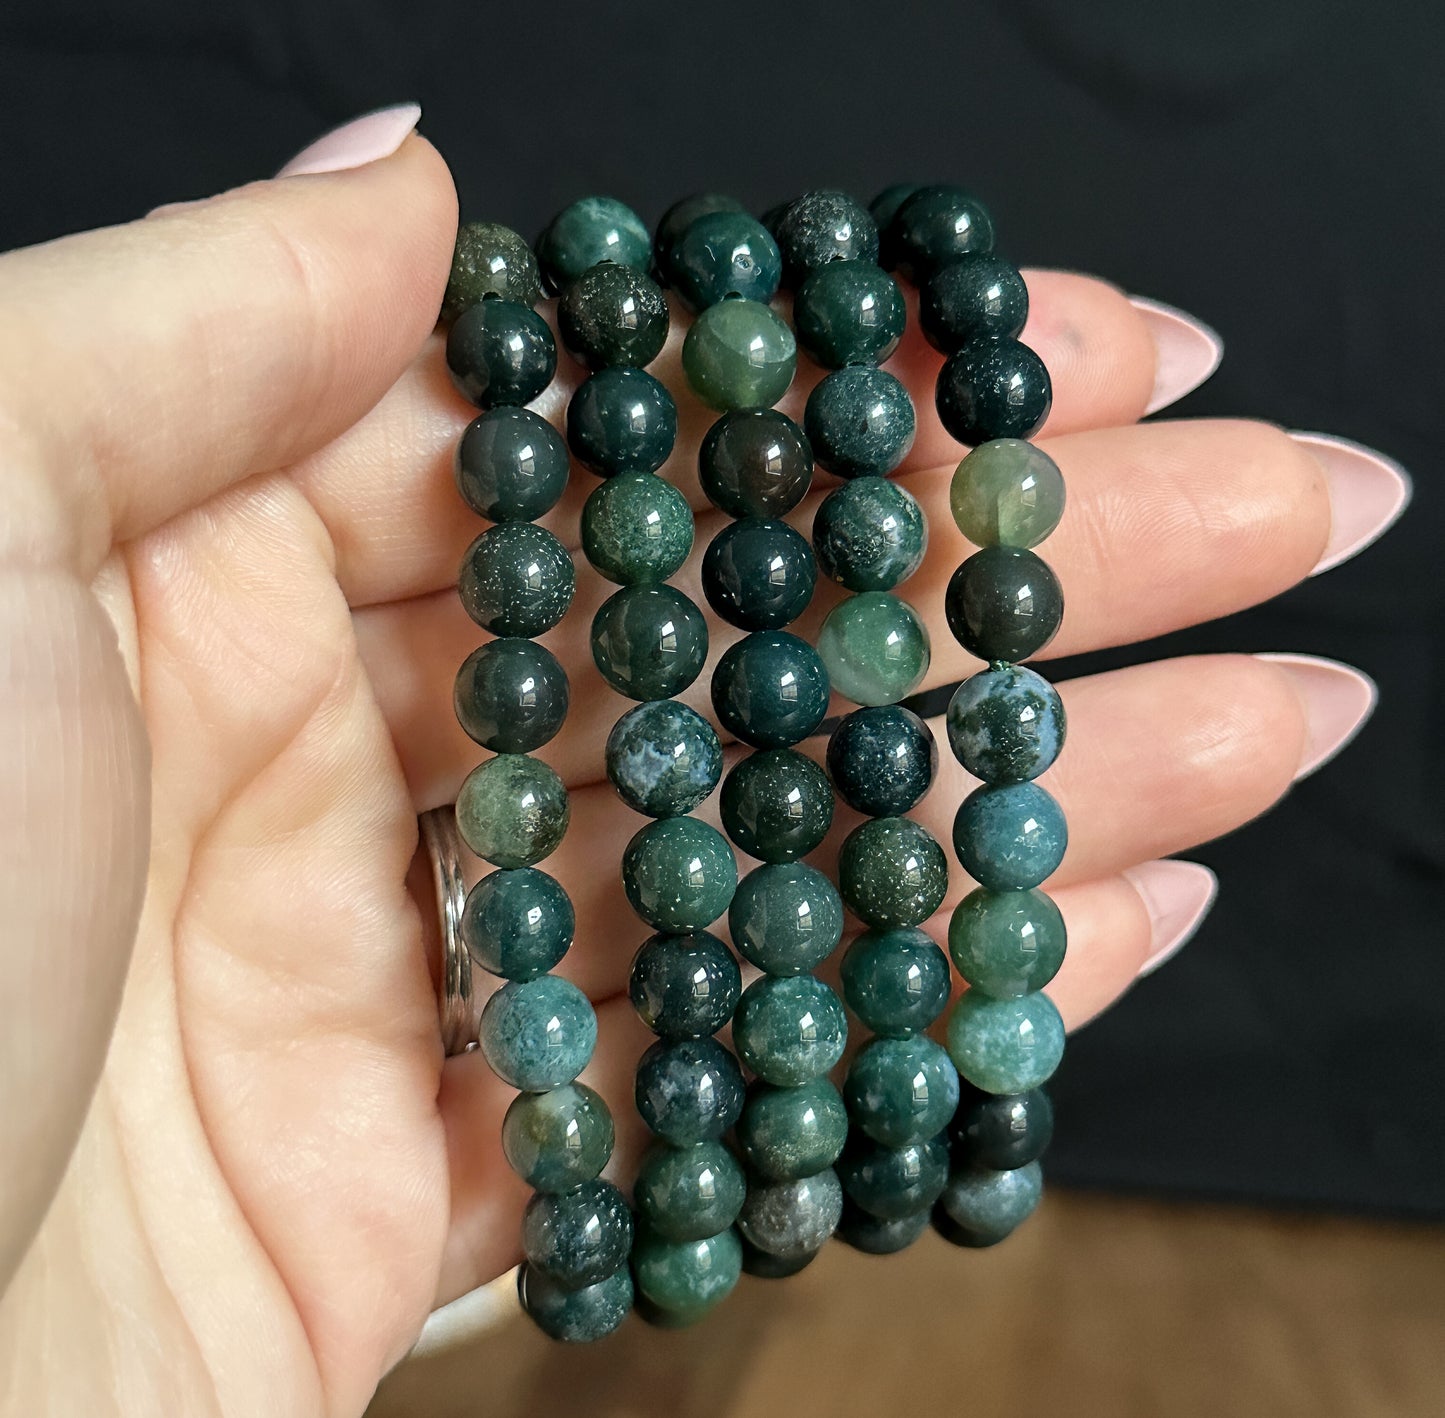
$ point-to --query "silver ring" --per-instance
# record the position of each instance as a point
(457, 1005)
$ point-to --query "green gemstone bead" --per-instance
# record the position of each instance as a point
(823, 227)
(517, 924)
(663, 758)
(685, 1279)
(977, 296)
(869, 534)
(516, 580)
(993, 389)
(739, 355)
(860, 422)
(580, 1237)
(876, 1237)
(789, 1028)
(1006, 943)
(1007, 493)
(538, 1034)
(892, 873)
(510, 465)
(980, 1207)
(1006, 724)
(689, 1193)
(1005, 1045)
(612, 316)
(777, 805)
(894, 1182)
(755, 463)
(1010, 837)
(896, 982)
(759, 574)
(675, 221)
(649, 642)
(785, 918)
(511, 695)
(621, 420)
(1002, 1130)
(1003, 603)
(763, 1266)
(557, 1140)
(849, 312)
(490, 259)
(884, 207)
(935, 225)
(590, 231)
(575, 1316)
(500, 352)
(679, 874)
(787, 1133)
(901, 1091)
(684, 986)
(791, 1219)
(770, 689)
(875, 647)
(688, 1090)
(725, 254)
(636, 529)
(512, 810)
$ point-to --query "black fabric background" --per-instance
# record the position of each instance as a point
(1271, 165)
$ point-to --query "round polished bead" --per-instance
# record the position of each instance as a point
(685, 1279)
(820, 227)
(517, 924)
(723, 254)
(689, 1090)
(575, 1316)
(894, 1182)
(1011, 837)
(791, 1219)
(512, 810)
(849, 312)
(580, 1237)
(1005, 1045)
(785, 917)
(557, 1140)
(892, 873)
(993, 389)
(789, 1028)
(792, 1132)
(1006, 943)
(883, 208)
(936, 225)
(901, 1091)
(777, 805)
(516, 579)
(688, 1193)
(882, 760)
(500, 352)
(978, 296)
(589, 231)
(679, 874)
(490, 259)
(875, 647)
(762, 1266)
(1003, 603)
(738, 354)
(876, 1237)
(511, 465)
(896, 982)
(612, 315)
(755, 463)
(1007, 493)
(869, 534)
(636, 529)
(538, 1034)
(511, 695)
(758, 575)
(770, 689)
(1002, 1131)
(860, 422)
(649, 642)
(663, 758)
(980, 1207)
(674, 222)
(621, 420)
(684, 986)
(1006, 725)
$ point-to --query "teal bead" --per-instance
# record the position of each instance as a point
(980, 1207)
(512, 810)
(822, 227)
(579, 1237)
(777, 805)
(860, 422)
(894, 1182)
(517, 924)
(789, 1029)
(679, 874)
(510, 465)
(770, 689)
(1007, 492)
(621, 420)
(875, 647)
(876, 1237)
(901, 1091)
(689, 1193)
(1006, 943)
(738, 354)
(1006, 724)
(785, 918)
(892, 873)
(755, 463)
(787, 1133)
(725, 254)
(674, 222)
(685, 1279)
(557, 1140)
(613, 316)
(649, 642)
(500, 352)
(688, 1090)
(636, 529)
(663, 758)
(587, 232)
(490, 259)
(538, 1034)
(1005, 1045)
(684, 986)
(758, 574)
(516, 579)
(849, 312)
(1011, 837)
(896, 982)
(791, 1219)
(869, 534)
(511, 695)
(936, 225)
(575, 1316)
(1003, 603)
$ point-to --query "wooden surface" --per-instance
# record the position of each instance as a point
(1099, 1308)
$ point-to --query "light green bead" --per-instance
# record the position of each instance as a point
(739, 355)
(1007, 493)
(1005, 1045)
(875, 648)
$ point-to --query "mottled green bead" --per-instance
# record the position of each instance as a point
(860, 422)
(901, 1091)
(894, 1182)
(1006, 943)
(511, 695)
(679, 874)
(777, 805)
(1006, 724)
(822, 227)
(725, 254)
(896, 982)
(770, 689)
(1007, 493)
(500, 352)
(589, 231)
(663, 758)
(675, 221)
(689, 1193)
(517, 924)
(876, 1237)
(516, 579)
(791, 1219)
(490, 259)
(1005, 1045)
(980, 1207)
(649, 642)
(684, 986)
(849, 312)
(621, 420)
(785, 918)
(688, 1090)
(755, 463)
(789, 1028)
(557, 1140)
(538, 1034)
(892, 873)
(636, 529)
(575, 1316)
(738, 354)
(512, 810)
(875, 647)
(792, 1132)
(685, 1279)
(758, 574)
(869, 534)
(1003, 603)
(612, 315)
(935, 225)
(882, 760)
(579, 1237)
(510, 465)
(1010, 837)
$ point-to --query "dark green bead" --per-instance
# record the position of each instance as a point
(876, 648)
(993, 389)
(689, 1090)
(978, 296)
(500, 352)
(884, 207)
(589, 231)
(792, 1132)
(882, 760)
(777, 805)
(1006, 943)
(685, 1279)
(876, 1237)
(820, 227)
(738, 354)
(621, 420)
(785, 918)
(894, 1182)
(1007, 493)
(1003, 603)
(516, 579)
(517, 924)
(789, 1028)
(579, 1237)
(511, 465)
(675, 221)
(901, 1091)
(649, 642)
(896, 982)
(489, 259)
(1010, 837)
(663, 758)
(1006, 725)
(684, 986)
(869, 534)
(755, 463)
(770, 689)
(512, 810)
(936, 225)
(980, 1207)
(892, 873)
(612, 315)
(538, 1034)
(679, 874)
(636, 529)
(1002, 1131)
(557, 1140)
(758, 575)
(689, 1193)
(575, 1316)
(791, 1219)
(723, 254)
(1005, 1045)
(511, 695)
(849, 312)
(762, 1266)
(860, 422)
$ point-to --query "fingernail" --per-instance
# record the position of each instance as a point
(1186, 351)
(366, 139)
(1367, 493)
(1337, 698)
(1178, 896)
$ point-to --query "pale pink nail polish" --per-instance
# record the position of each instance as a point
(1186, 351)
(366, 139)
(1177, 896)
(1368, 492)
(1337, 699)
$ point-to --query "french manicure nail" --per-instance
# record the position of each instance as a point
(1186, 351)
(1337, 699)
(1177, 896)
(366, 139)
(1367, 493)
